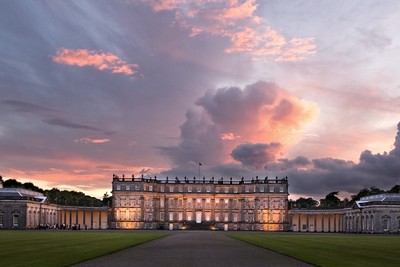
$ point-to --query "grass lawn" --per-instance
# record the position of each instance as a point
(331, 250)
(63, 248)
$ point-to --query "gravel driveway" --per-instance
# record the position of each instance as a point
(194, 248)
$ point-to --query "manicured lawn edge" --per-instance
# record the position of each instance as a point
(65, 248)
(263, 247)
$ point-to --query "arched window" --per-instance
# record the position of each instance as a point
(15, 219)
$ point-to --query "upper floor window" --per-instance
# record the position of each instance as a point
(137, 187)
(180, 189)
(235, 190)
(271, 189)
(246, 188)
(217, 190)
(162, 188)
(208, 189)
(262, 189)
(281, 189)
(199, 189)
(171, 188)
(118, 187)
(150, 188)
(226, 189)
(189, 189)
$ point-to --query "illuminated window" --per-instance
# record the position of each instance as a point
(118, 215)
(226, 217)
(162, 203)
(217, 217)
(127, 214)
(208, 204)
(226, 203)
(208, 216)
(235, 217)
(189, 216)
(171, 216)
(180, 216)
(150, 188)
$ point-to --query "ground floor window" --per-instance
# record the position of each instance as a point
(1, 218)
(15, 220)
(385, 225)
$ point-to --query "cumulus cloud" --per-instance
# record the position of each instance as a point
(249, 125)
(256, 155)
(323, 175)
(237, 22)
(96, 59)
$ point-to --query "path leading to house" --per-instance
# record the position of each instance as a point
(194, 248)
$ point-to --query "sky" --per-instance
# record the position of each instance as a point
(304, 89)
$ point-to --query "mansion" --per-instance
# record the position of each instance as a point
(257, 204)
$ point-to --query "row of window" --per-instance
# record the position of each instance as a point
(248, 217)
(201, 189)
(219, 203)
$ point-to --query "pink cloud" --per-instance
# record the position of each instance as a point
(229, 136)
(236, 21)
(97, 59)
(92, 140)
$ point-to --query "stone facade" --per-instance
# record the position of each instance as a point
(25, 209)
(373, 214)
(140, 203)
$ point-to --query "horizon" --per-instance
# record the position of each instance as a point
(246, 88)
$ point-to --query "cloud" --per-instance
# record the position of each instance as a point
(323, 175)
(229, 136)
(64, 123)
(97, 59)
(248, 118)
(256, 155)
(88, 140)
(22, 106)
(237, 22)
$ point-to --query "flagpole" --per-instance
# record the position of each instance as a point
(199, 171)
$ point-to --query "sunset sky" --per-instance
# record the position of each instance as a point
(304, 89)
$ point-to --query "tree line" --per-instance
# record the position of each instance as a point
(331, 201)
(61, 197)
